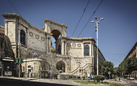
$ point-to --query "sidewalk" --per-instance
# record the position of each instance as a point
(123, 81)
(115, 81)
(54, 81)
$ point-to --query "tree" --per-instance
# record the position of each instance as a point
(105, 67)
(128, 65)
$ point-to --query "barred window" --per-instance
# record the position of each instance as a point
(22, 37)
(59, 49)
(86, 50)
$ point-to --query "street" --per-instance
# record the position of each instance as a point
(38, 82)
(14, 81)
(129, 82)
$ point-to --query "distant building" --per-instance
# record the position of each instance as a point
(71, 56)
(132, 52)
(6, 55)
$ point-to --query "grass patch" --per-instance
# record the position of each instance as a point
(114, 84)
(93, 82)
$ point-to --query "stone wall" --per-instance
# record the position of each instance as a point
(36, 52)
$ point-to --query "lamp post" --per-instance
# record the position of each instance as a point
(97, 22)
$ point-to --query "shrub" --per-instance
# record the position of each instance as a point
(99, 78)
(114, 76)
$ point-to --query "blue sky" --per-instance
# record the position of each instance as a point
(117, 32)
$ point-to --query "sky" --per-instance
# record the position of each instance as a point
(117, 32)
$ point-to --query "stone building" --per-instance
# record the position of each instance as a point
(71, 56)
(6, 55)
(132, 52)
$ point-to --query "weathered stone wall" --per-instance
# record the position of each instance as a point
(35, 39)
(37, 50)
(34, 36)
(2, 30)
(136, 51)
(51, 25)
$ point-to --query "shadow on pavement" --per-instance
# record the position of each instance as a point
(14, 82)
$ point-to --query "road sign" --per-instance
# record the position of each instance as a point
(92, 76)
(31, 68)
(109, 72)
(17, 60)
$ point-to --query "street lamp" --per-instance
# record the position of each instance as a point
(97, 22)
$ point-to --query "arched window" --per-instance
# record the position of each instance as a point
(22, 37)
(59, 49)
(86, 50)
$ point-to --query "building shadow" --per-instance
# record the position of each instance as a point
(14, 82)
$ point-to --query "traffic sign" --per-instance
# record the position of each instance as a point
(109, 72)
(92, 76)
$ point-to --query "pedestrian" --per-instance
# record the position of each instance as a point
(119, 78)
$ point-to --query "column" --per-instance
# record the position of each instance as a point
(92, 52)
(90, 49)
(47, 43)
(65, 50)
(62, 47)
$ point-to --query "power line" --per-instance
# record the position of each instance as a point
(115, 59)
(90, 17)
(13, 6)
(114, 53)
(80, 18)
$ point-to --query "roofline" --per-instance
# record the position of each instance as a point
(131, 50)
(79, 39)
(2, 27)
(48, 20)
(7, 15)
(100, 52)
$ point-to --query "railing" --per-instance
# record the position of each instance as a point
(82, 68)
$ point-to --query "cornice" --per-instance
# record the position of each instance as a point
(48, 20)
(14, 15)
(79, 39)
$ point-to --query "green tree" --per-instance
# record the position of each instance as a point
(128, 65)
(105, 67)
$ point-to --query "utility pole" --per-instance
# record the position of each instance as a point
(19, 68)
(97, 22)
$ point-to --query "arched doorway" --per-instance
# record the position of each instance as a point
(60, 66)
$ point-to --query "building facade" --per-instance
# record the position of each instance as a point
(6, 55)
(132, 52)
(71, 55)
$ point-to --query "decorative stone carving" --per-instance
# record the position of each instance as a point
(79, 45)
(74, 45)
(31, 34)
(36, 36)
(42, 38)
(68, 44)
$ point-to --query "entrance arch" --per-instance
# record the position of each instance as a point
(60, 66)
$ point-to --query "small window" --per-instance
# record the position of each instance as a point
(29, 66)
(22, 37)
(59, 49)
(86, 50)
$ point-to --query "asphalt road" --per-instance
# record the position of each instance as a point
(14, 82)
(129, 82)
(54, 82)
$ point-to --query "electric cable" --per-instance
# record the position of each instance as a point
(80, 18)
(90, 17)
